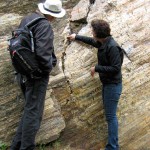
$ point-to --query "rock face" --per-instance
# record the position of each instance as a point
(73, 108)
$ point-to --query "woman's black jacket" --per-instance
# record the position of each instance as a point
(109, 59)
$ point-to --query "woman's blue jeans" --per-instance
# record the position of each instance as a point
(111, 94)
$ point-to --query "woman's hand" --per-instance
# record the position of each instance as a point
(71, 37)
(92, 71)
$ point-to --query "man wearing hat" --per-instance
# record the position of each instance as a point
(35, 90)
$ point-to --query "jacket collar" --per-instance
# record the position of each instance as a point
(38, 12)
(104, 45)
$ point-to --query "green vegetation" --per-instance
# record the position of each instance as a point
(3, 146)
(57, 144)
(42, 147)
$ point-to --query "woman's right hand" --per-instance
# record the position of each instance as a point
(71, 37)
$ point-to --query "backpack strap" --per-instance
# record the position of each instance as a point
(34, 21)
(124, 52)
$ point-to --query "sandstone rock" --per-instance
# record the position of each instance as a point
(74, 94)
(18, 6)
(80, 13)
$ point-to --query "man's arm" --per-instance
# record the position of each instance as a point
(44, 45)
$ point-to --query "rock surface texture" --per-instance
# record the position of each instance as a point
(73, 113)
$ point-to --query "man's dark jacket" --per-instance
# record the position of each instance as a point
(109, 59)
(43, 39)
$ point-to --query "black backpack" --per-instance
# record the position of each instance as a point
(21, 48)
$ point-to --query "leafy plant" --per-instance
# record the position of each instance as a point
(42, 147)
(57, 144)
(3, 146)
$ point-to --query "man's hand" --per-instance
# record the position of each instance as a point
(71, 37)
(92, 71)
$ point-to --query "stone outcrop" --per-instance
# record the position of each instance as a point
(73, 108)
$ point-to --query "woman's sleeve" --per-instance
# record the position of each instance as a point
(88, 40)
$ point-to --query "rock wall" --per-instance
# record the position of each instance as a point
(73, 108)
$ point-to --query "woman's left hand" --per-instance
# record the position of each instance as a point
(92, 71)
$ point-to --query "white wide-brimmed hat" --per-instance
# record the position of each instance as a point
(53, 8)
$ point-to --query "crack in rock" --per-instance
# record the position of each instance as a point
(66, 44)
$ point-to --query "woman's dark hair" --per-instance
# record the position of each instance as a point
(101, 28)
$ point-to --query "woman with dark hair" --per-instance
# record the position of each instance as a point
(109, 68)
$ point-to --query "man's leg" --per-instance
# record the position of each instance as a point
(33, 111)
(112, 94)
(16, 143)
